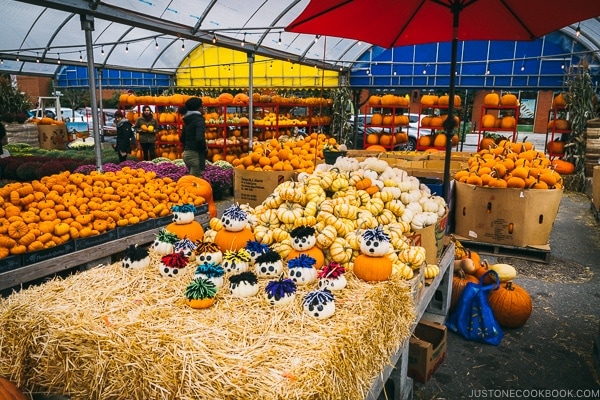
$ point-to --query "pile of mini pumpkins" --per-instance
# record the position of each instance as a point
(512, 165)
(287, 153)
(340, 202)
(510, 302)
(60, 207)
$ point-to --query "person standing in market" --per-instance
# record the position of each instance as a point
(146, 127)
(125, 136)
(193, 137)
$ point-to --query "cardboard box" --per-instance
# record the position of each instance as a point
(596, 188)
(427, 350)
(432, 239)
(253, 187)
(512, 217)
(53, 137)
(462, 156)
(431, 168)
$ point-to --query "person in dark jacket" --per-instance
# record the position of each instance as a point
(193, 137)
(146, 127)
(125, 136)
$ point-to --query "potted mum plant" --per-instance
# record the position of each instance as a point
(220, 179)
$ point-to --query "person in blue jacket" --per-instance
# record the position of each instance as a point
(193, 136)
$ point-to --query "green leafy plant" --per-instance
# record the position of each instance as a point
(341, 128)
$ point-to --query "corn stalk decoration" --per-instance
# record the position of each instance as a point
(341, 128)
(581, 104)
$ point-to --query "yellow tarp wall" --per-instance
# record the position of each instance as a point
(212, 66)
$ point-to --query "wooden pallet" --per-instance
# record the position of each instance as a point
(540, 253)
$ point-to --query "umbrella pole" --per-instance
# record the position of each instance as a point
(450, 123)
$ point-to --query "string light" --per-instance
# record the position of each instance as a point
(425, 70)
(18, 57)
(127, 48)
(80, 57)
(102, 51)
(271, 66)
(1, 60)
(279, 42)
(214, 39)
(562, 66)
(182, 45)
(243, 41)
(487, 69)
(58, 61)
(578, 30)
(317, 38)
(156, 43)
(37, 57)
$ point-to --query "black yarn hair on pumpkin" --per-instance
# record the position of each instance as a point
(247, 276)
(268, 257)
(302, 231)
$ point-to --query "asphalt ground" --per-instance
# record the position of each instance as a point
(551, 356)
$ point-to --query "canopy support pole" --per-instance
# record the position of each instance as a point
(450, 123)
(87, 25)
(250, 56)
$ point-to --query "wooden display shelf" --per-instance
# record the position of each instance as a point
(432, 303)
(84, 253)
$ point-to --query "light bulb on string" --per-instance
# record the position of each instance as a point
(127, 48)
(317, 38)
(182, 45)
(37, 58)
(156, 43)
(243, 41)
(102, 51)
(80, 57)
(578, 30)
(58, 60)
(279, 42)
(214, 39)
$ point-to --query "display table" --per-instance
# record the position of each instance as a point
(114, 333)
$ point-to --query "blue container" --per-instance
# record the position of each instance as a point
(434, 184)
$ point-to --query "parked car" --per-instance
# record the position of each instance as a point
(364, 120)
(67, 114)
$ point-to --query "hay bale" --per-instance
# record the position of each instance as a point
(112, 333)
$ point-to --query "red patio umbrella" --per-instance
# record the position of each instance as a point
(390, 23)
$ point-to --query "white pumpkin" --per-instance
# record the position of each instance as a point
(268, 265)
(280, 292)
(374, 242)
(319, 304)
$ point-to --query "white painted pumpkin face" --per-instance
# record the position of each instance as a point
(235, 266)
(304, 243)
(182, 218)
(302, 276)
(269, 269)
(167, 271)
(319, 304)
(243, 289)
(137, 264)
(234, 219)
(374, 242)
(210, 258)
(333, 283)
(281, 301)
(162, 248)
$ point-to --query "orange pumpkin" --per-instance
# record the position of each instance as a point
(372, 269)
(199, 187)
(193, 230)
(563, 167)
(9, 391)
(511, 305)
(227, 240)
(313, 252)
(376, 147)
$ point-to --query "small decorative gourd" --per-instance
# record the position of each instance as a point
(235, 233)
(332, 277)
(170, 264)
(268, 265)
(304, 241)
(184, 225)
(136, 257)
(244, 284)
(164, 242)
(235, 262)
(200, 293)
(373, 264)
(212, 272)
(302, 269)
(208, 252)
(255, 249)
(281, 291)
(319, 304)
(187, 247)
